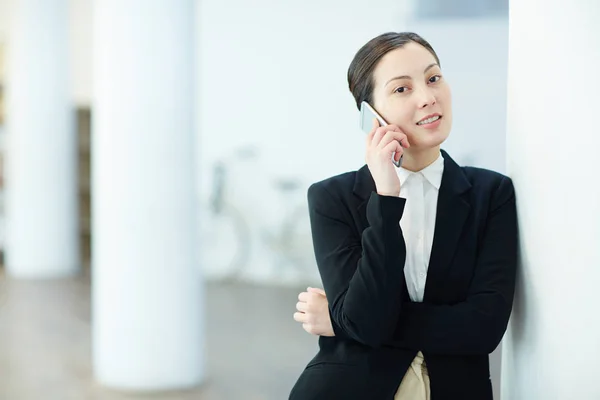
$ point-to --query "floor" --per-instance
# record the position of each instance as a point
(45, 344)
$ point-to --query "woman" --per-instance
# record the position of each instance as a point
(418, 262)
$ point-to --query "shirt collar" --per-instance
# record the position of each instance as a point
(433, 172)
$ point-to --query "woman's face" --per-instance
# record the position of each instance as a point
(410, 92)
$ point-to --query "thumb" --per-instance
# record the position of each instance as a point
(316, 290)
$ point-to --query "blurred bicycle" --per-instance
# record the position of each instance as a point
(290, 242)
(228, 240)
(225, 237)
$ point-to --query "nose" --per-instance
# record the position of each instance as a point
(425, 97)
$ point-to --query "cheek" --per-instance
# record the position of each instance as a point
(407, 121)
(447, 107)
(445, 97)
(401, 115)
(412, 135)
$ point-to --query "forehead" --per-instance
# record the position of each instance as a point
(411, 59)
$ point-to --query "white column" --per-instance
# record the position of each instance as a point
(41, 179)
(147, 292)
(552, 349)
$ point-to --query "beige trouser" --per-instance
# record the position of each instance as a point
(415, 384)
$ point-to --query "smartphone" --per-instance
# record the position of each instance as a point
(367, 113)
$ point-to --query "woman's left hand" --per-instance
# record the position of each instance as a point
(313, 312)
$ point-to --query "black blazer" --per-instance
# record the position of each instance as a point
(360, 253)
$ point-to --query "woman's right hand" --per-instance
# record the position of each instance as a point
(381, 143)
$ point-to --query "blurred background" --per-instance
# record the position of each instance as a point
(112, 112)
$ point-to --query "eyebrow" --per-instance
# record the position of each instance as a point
(408, 77)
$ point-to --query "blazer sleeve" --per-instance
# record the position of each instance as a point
(362, 276)
(475, 326)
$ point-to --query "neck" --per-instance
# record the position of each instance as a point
(415, 160)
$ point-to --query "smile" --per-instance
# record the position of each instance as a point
(429, 120)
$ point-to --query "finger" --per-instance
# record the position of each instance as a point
(307, 328)
(390, 127)
(304, 296)
(394, 147)
(391, 136)
(316, 290)
(397, 157)
(302, 306)
(404, 142)
(379, 133)
(300, 317)
(382, 131)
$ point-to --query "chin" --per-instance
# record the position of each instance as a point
(428, 140)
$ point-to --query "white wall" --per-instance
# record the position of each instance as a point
(273, 75)
(4, 16)
(473, 53)
(552, 349)
(280, 83)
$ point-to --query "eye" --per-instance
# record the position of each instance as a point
(401, 89)
(435, 78)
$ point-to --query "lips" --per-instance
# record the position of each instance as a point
(429, 119)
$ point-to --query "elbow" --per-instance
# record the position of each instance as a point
(480, 342)
(490, 344)
(493, 333)
(489, 325)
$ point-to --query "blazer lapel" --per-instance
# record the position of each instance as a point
(452, 212)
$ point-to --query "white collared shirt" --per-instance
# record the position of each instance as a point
(420, 189)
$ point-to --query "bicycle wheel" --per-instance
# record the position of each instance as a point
(302, 250)
(225, 243)
(293, 249)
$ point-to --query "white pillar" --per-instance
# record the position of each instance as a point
(41, 178)
(551, 350)
(147, 292)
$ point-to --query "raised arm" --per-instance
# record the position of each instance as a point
(363, 277)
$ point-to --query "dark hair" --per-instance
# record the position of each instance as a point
(360, 72)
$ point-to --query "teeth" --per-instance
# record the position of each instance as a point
(428, 120)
